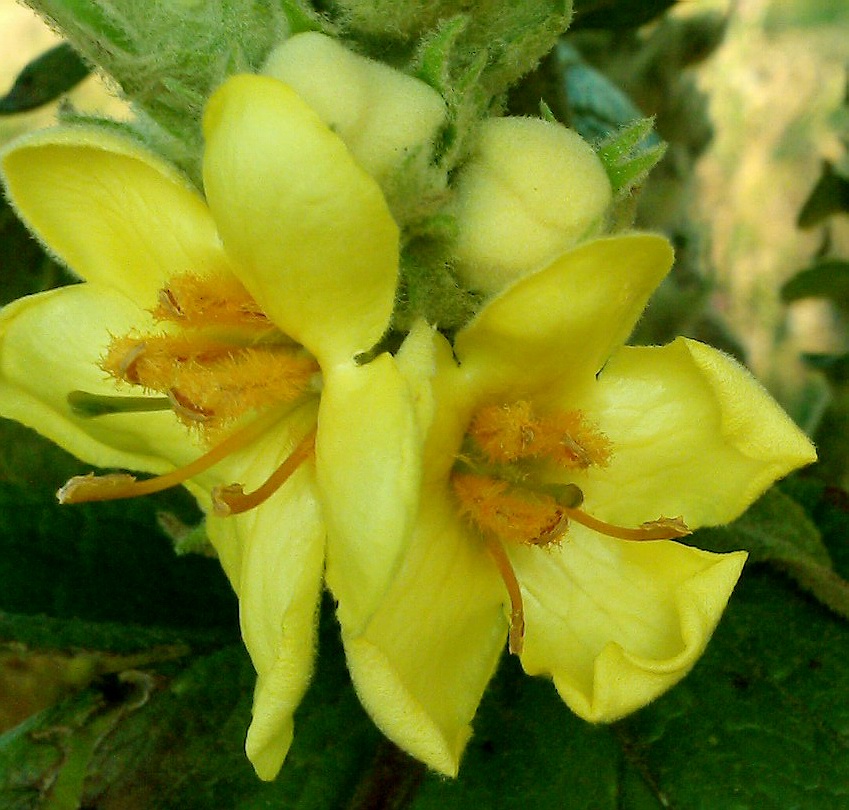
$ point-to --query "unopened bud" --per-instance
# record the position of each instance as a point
(531, 191)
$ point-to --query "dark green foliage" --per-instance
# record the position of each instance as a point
(612, 15)
(45, 79)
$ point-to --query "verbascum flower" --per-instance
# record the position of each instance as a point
(559, 468)
(531, 190)
(213, 343)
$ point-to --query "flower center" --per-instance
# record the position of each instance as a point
(216, 361)
(508, 482)
(217, 356)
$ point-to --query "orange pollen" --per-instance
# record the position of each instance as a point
(515, 432)
(207, 378)
(512, 514)
(213, 300)
(211, 362)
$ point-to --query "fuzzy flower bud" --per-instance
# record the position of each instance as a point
(381, 114)
(531, 191)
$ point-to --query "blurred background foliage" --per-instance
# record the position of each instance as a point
(123, 683)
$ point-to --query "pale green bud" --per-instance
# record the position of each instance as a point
(381, 114)
(531, 190)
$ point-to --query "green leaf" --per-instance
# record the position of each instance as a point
(762, 718)
(829, 196)
(617, 14)
(596, 107)
(827, 278)
(43, 761)
(834, 366)
(761, 722)
(776, 529)
(180, 742)
(26, 268)
(96, 562)
(44, 79)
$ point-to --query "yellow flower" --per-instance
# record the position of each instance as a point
(552, 451)
(211, 333)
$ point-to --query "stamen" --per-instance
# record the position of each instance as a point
(660, 529)
(90, 405)
(201, 301)
(515, 432)
(512, 514)
(231, 499)
(517, 610)
(126, 365)
(169, 308)
(212, 382)
(86, 488)
(186, 409)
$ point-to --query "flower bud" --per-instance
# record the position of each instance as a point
(531, 191)
(382, 114)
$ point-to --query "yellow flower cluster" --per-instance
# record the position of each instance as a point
(527, 480)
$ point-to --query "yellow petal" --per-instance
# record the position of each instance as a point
(274, 556)
(112, 211)
(51, 344)
(381, 114)
(567, 318)
(693, 434)
(616, 624)
(423, 662)
(368, 454)
(308, 229)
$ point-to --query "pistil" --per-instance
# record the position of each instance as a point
(517, 610)
(88, 406)
(660, 529)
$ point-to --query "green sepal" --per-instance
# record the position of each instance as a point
(169, 57)
(627, 158)
(546, 113)
(429, 289)
(433, 61)
(472, 59)
(187, 538)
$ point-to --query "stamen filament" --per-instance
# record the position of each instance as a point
(517, 611)
(232, 500)
(87, 488)
(661, 529)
